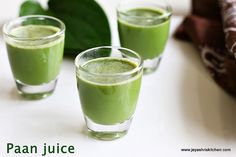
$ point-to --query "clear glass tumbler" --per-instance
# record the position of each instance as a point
(108, 81)
(35, 46)
(144, 27)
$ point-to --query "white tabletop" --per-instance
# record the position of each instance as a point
(180, 107)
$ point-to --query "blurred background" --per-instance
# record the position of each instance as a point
(10, 8)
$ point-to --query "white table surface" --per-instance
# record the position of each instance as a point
(179, 106)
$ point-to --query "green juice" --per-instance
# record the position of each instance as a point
(108, 100)
(146, 38)
(35, 63)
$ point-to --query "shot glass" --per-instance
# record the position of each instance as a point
(108, 81)
(35, 46)
(143, 26)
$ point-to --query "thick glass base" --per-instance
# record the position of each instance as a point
(35, 91)
(107, 132)
(151, 65)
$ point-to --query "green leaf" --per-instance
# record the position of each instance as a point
(32, 7)
(86, 23)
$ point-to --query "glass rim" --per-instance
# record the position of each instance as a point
(8, 34)
(168, 10)
(136, 69)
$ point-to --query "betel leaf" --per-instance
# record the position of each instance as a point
(86, 23)
(32, 7)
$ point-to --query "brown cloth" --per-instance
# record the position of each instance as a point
(228, 10)
(205, 29)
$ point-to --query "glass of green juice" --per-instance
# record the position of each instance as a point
(143, 26)
(35, 46)
(108, 81)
